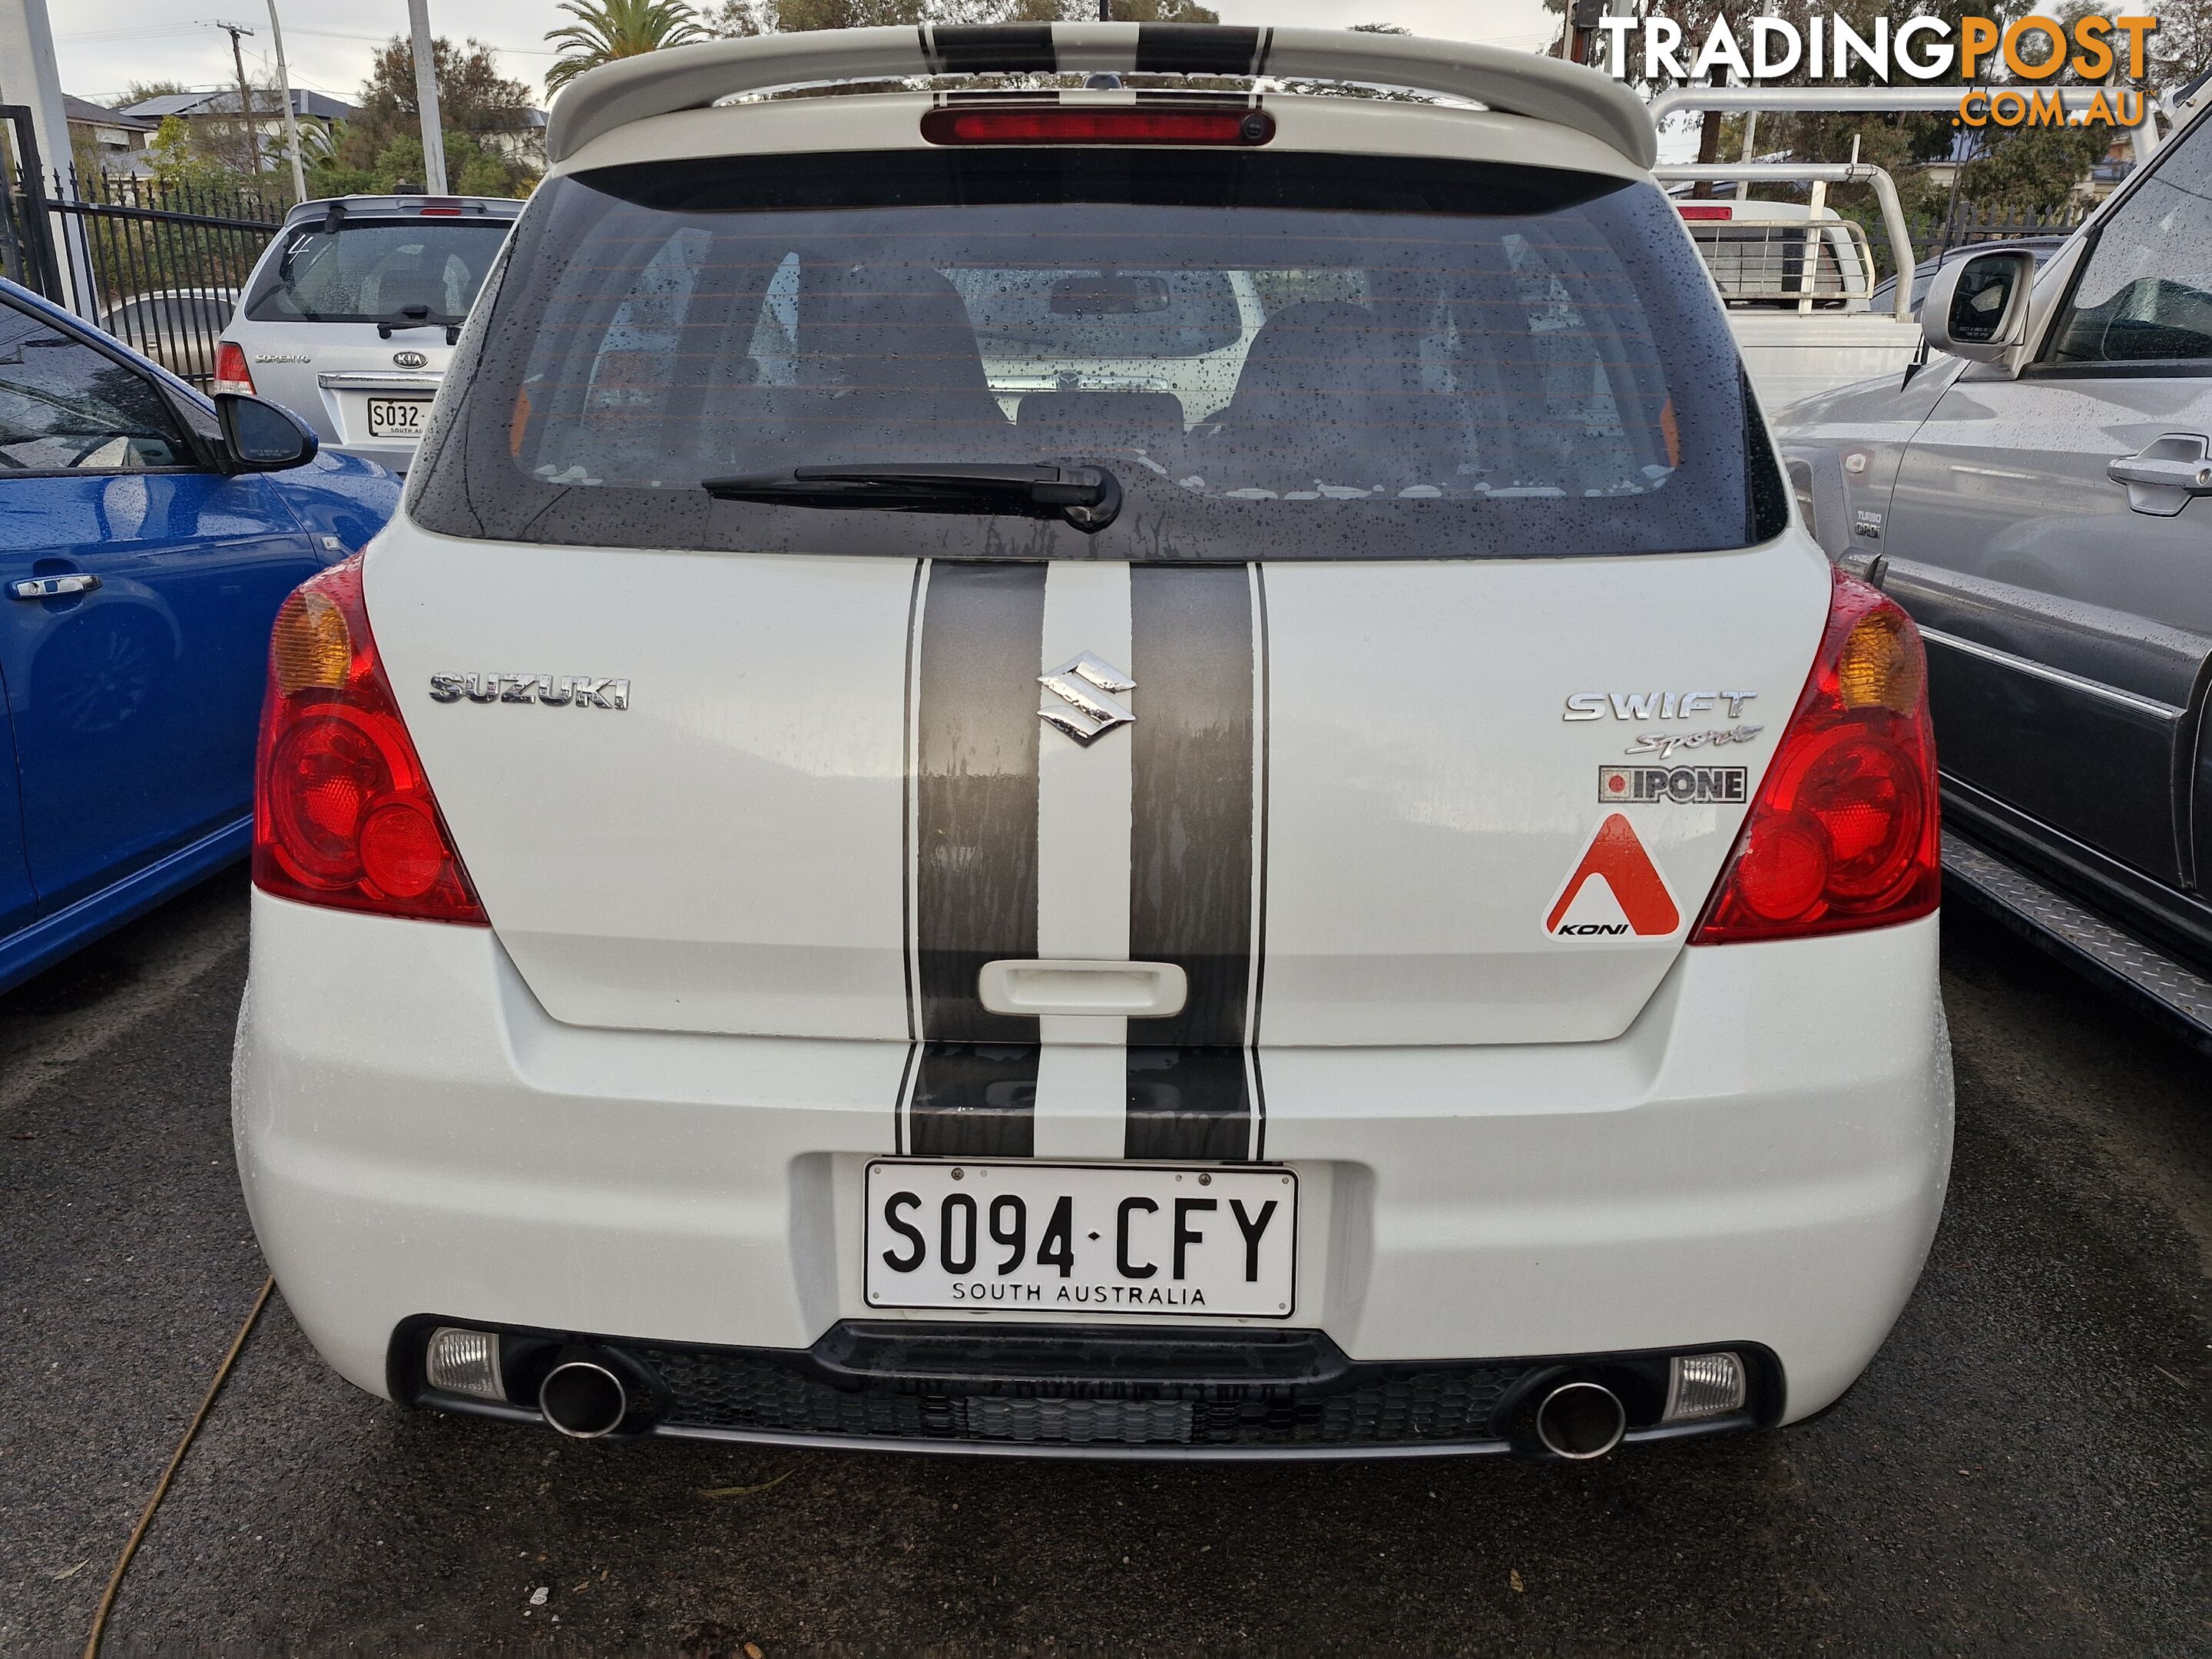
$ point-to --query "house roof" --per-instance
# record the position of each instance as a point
(220, 100)
(91, 114)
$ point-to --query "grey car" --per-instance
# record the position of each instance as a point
(351, 314)
(2030, 494)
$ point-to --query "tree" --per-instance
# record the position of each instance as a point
(479, 109)
(607, 29)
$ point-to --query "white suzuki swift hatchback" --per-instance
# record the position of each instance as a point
(1107, 771)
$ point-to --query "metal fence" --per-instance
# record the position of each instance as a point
(158, 265)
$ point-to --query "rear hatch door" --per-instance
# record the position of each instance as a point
(1356, 803)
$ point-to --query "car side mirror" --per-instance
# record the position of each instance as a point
(258, 436)
(1977, 307)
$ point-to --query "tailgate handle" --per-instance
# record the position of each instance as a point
(1131, 990)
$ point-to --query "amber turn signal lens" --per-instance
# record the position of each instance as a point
(311, 646)
(1879, 668)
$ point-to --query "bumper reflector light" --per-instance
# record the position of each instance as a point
(459, 1361)
(1704, 1385)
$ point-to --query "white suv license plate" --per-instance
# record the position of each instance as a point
(397, 417)
(1081, 1239)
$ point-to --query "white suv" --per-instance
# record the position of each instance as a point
(1387, 908)
(353, 309)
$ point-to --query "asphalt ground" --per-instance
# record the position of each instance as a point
(2022, 1470)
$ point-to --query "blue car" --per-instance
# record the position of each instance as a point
(147, 534)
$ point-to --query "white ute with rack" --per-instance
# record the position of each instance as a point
(1798, 278)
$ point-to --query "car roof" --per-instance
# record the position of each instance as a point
(634, 89)
(2041, 246)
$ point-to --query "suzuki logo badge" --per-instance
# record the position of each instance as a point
(409, 359)
(1082, 685)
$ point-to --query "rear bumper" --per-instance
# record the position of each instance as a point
(1760, 1159)
(396, 458)
(1086, 1391)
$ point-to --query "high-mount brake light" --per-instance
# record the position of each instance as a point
(1705, 210)
(231, 374)
(342, 814)
(1844, 834)
(1063, 125)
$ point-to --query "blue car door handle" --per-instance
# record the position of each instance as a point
(53, 588)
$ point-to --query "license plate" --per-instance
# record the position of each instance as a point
(1081, 1239)
(397, 417)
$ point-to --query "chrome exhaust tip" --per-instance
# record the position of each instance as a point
(1581, 1420)
(583, 1399)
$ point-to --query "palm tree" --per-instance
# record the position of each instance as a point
(607, 29)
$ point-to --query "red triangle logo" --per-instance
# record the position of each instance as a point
(1615, 855)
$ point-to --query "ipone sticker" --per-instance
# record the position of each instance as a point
(1682, 786)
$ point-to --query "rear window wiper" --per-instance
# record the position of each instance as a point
(1088, 497)
(418, 316)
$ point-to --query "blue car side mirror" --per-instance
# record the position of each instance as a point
(259, 436)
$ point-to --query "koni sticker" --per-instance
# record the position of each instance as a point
(1615, 891)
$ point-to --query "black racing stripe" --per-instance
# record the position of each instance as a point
(1196, 49)
(1186, 1103)
(984, 49)
(975, 1100)
(1191, 849)
(976, 853)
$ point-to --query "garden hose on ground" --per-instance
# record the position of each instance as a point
(161, 1487)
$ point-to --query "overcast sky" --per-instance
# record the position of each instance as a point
(106, 44)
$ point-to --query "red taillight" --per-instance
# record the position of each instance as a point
(231, 374)
(342, 813)
(1706, 210)
(1843, 833)
(1098, 126)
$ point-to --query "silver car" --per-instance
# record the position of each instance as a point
(352, 312)
(2029, 496)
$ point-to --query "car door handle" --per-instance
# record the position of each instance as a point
(53, 588)
(2164, 473)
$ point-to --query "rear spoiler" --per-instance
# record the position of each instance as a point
(692, 78)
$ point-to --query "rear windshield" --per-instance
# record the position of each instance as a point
(400, 271)
(1279, 356)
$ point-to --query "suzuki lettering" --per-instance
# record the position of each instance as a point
(554, 690)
